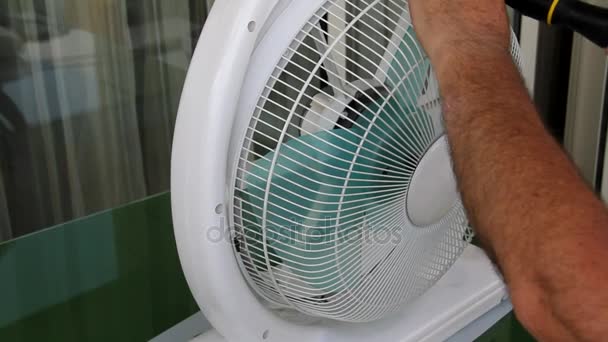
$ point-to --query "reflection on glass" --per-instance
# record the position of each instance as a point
(88, 96)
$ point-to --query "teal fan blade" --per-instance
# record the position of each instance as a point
(312, 209)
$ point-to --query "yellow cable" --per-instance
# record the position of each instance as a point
(551, 12)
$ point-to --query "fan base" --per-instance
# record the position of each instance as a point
(470, 289)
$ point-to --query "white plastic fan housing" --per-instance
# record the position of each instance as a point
(239, 50)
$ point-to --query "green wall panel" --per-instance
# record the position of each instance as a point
(114, 276)
(507, 329)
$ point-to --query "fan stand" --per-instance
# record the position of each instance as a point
(470, 289)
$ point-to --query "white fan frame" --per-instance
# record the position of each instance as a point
(220, 85)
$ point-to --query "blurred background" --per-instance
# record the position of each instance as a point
(88, 97)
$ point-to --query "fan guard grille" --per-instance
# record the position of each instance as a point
(319, 201)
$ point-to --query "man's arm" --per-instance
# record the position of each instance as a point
(542, 224)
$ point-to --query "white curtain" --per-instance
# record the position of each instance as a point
(88, 96)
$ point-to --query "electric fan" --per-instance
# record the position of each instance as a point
(312, 191)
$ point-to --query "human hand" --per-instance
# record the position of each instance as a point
(445, 27)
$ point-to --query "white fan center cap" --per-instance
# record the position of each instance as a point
(432, 192)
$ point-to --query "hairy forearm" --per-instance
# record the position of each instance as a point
(546, 229)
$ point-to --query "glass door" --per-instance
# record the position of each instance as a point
(88, 97)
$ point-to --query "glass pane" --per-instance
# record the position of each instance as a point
(88, 97)
(113, 276)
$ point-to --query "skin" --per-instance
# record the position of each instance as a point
(540, 222)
